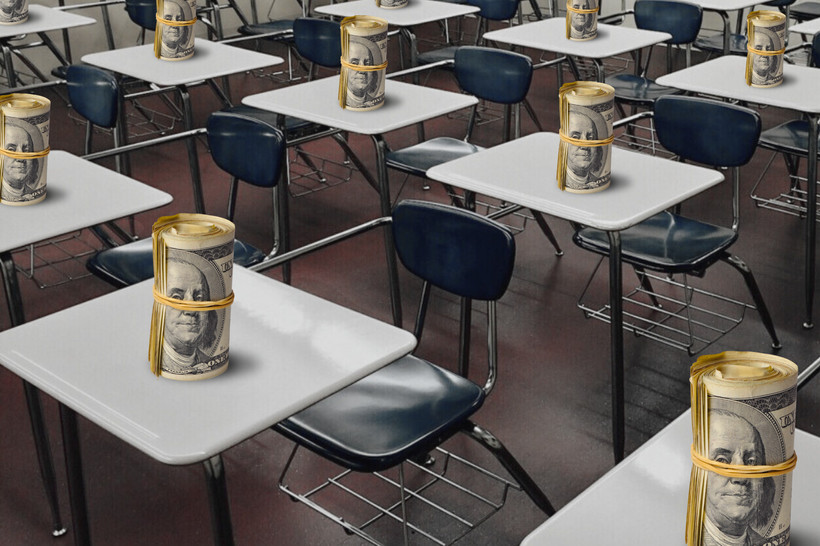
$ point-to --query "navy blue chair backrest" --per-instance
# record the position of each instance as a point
(493, 74)
(680, 19)
(707, 131)
(318, 40)
(94, 94)
(496, 10)
(246, 147)
(142, 12)
(815, 50)
(454, 249)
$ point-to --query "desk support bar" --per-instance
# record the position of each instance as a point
(74, 473)
(617, 344)
(218, 501)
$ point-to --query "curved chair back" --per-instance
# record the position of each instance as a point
(680, 19)
(246, 148)
(317, 40)
(454, 249)
(142, 12)
(496, 10)
(697, 129)
(94, 94)
(493, 74)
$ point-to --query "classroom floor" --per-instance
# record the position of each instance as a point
(551, 406)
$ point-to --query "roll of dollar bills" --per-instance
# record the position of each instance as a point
(190, 323)
(24, 129)
(766, 44)
(585, 150)
(174, 36)
(13, 12)
(364, 62)
(743, 411)
(582, 19)
(391, 4)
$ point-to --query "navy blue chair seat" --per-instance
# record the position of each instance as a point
(129, 264)
(805, 11)
(714, 44)
(791, 137)
(664, 242)
(421, 157)
(436, 55)
(372, 425)
(630, 88)
(282, 25)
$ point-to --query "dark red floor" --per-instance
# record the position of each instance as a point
(551, 405)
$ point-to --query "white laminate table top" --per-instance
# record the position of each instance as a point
(724, 5)
(725, 77)
(288, 349)
(404, 104)
(79, 194)
(550, 35)
(643, 499)
(43, 19)
(812, 26)
(522, 171)
(416, 12)
(210, 60)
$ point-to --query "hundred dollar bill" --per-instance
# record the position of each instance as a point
(174, 36)
(743, 421)
(586, 111)
(24, 135)
(364, 62)
(391, 4)
(13, 12)
(582, 19)
(766, 43)
(193, 270)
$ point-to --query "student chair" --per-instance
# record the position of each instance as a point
(490, 74)
(394, 417)
(792, 140)
(737, 42)
(678, 245)
(232, 138)
(680, 19)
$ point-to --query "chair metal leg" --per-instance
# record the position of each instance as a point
(741, 266)
(74, 472)
(44, 458)
(542, 223)
(464, 337)
(511, 464)
(646, 285)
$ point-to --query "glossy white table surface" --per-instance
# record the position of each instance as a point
(79, 194)
(44, 19)
(405, 104)
(210, 60)
(643, 499)
(416, 12)
(725, 77)
(724, 5)
(522, 171)
(288, 349)
(811, 27)
(550, 35)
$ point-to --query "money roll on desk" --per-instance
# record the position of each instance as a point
(190, 323)
(766, 44)
(24, 130)
(364, 62)
(743, 411)
(13, 12)
(174, 35)
(391, 4)
(582, 19)
(585, 151)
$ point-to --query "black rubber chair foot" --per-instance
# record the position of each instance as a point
(559, 253)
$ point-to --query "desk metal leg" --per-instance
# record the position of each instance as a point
(9, 65)
(35, 409)
(617, 344)
(387, 210)
(811, 220)
(193, 158)
(76, 483)
(218, 500)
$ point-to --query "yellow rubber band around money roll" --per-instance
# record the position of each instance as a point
(362, 67)
(175, 23)
(585, 143)
(750, 49)
(191, 305)
(24, 155)
(741, 471)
